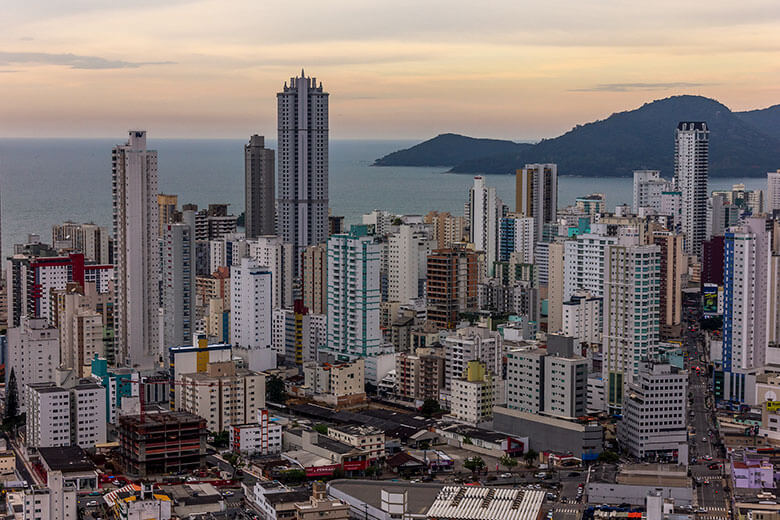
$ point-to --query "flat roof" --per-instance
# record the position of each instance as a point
(419, 497)
(483, 503)
(66, 458)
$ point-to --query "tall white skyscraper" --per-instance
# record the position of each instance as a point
(484, 211)
(250, 305)
(302, 201)
(772, 191)
(353, 295)
(746, 261)
(277, 255)
(631, 314)
(536, 195)
(691, 171)
(137, 253)
(178, 285)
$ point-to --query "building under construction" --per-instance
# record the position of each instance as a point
(162, 442)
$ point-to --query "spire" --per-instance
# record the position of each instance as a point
(302, 74)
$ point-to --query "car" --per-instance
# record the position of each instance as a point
(574, 474)
(228, 493)
(541, 474)
(704, 439)
(708, 457)
(91, 503)
(506, 475)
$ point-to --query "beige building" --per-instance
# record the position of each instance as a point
(673, 265)
(320, 507)
(223, 395)
(368, 438)
(315, 278)
(555, 287)
(474, 395)
(447, 229)
(167, 206)
(83, 317)
(421, 374)
(7, 463)
(340, 384)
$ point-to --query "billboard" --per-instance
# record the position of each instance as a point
(710, 299)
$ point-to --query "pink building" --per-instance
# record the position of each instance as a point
(753, 474)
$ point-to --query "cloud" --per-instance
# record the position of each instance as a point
(627, 87)
(74, 61)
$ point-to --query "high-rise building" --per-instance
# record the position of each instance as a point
(303, 164)
(772, 191)
(582, 318)
(484, 212)
(250, 305)
(673, 265)
(474, 394)
(447, 229)
(648, 187)
(315, 278)
(536, 194)
(259, 188)
(654, 411)
(33, 354)
(407, 263)
(516, 235)
(134, 182)
(631, 314)
(691, 171)
(471, 344)
(746, 262)
(167, 210)
(179, 298)
(453, 275)
(555, 286)
(272, 252)
(353, 295)
(583, 267)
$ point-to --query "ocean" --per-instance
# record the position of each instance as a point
(47, 181)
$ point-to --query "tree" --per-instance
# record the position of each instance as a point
(508, 461)
(320, 428)
(274, 390)
(430, 407)
(11, 416)
(530, 456)
(474, 464)
(221, 439)
(610, 457)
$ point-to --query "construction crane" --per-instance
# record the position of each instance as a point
(141, 381)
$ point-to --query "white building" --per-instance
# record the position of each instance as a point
(48, 416)
(648, 187)
(583, 264)
(654, 412)
(315, 335)
(227, 251)
(631, 314)
(134, 183)
(745, 327)
(484, 211)
(33, 354)
(772, 191)
(408, 252)
(536, 194)
(353, 296)
(582, 318)
(178, 285)
(474, 394)
(302, 191)
(55, 502)
(261, 438)
(250, 305)
(277, 255)
(597, 401)
(65, 417)
(525, 379)
(671, 204)
(691, 171)
(471, 344)
(380, 219)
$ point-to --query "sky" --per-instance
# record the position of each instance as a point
(514, 69)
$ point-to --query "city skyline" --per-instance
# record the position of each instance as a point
(195, 68)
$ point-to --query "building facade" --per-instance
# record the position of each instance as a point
(259, 188)
(691, 172)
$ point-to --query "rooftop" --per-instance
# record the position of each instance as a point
(288, 497)
(482, 503)
(419, 496)
(66, 458)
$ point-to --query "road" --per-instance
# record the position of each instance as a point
(704, 442)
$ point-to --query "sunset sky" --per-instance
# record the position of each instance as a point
(406, 68)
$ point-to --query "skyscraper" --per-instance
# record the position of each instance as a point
(745, 307)
(536, 194)
(250, 305)
(484, 212)
(168, 207)
(691, 170)
(178, 285)
(259, 176)
(631, 314)
(303, 164)
(136, 257)
(772, 191)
